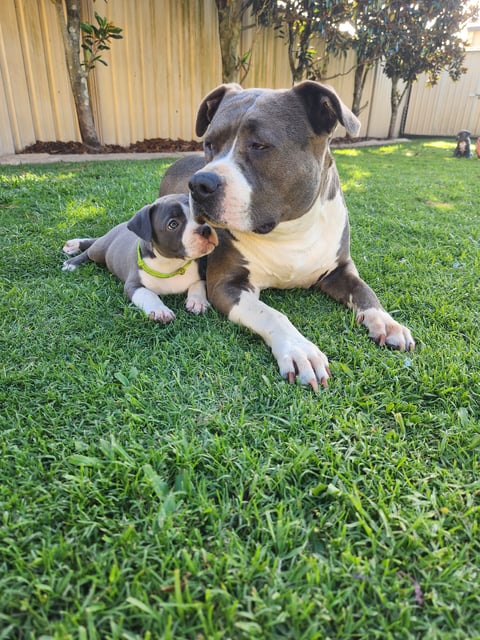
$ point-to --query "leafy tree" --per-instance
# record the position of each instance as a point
(299, 23)
(423, 37)
(363, 32)
(235, 65)
(96, 39)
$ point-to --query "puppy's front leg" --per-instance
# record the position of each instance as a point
(345, 285)
(296, 356)
(150, 303)
(197, 298)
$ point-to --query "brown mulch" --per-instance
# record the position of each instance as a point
(154, 145)
(147, 146)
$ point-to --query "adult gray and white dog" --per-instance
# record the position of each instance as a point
(270, 186)
(155, 252)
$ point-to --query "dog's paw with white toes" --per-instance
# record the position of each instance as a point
(384, 330)
(197, 305)
(164, 315)
(303, 360)
(71, 247)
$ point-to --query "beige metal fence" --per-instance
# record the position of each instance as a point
(168, 59)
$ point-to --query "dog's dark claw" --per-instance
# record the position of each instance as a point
(291, 377)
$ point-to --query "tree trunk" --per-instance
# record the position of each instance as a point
(229, 29)
(361, 72)
(295, 66)
(70, 26)
(395, 99)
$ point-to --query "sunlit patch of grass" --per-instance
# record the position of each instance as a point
(354, 177)
(439, 144)
(81, 210)
(388, 149)
(350, 152)
(440, 205)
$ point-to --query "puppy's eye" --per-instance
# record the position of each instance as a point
(208, 146)
(259, 146)
(172, 224)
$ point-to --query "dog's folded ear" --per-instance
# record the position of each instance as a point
(210, 104)
(141, 223)
(325, 109)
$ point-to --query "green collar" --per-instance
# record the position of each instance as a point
(156, 274)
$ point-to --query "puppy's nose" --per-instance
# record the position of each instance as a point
(205, 230)
(203, 185)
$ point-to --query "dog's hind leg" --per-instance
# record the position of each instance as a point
(71, 247)
(70, 265)
(74, 246)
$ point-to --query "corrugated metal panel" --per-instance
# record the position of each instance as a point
(159, 72)
(14, 85)
(449, 106)
(168, 59)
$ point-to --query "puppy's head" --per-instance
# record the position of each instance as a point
(463, 135)
(169, 226)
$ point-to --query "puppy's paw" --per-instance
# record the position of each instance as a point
(384, 330)
(197, 298)
(67, 266)
(71, 247)
(196, 305)
(300, 358)
(163, 315)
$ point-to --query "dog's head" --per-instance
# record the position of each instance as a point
(168, 225)
(463, 135)
(267, 154)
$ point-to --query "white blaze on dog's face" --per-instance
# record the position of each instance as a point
(244, 147)
(234, 204)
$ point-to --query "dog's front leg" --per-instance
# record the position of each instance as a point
(296, 356)
(150, 303)
(345, 285)
(197, 298)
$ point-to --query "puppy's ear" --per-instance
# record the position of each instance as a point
(210, 104)
(141, 223)
(324, 108)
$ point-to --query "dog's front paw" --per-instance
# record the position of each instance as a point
(197, 298)
(163, 315)
(384, 330)
(300, 358)
(71, 247)
(197, 305)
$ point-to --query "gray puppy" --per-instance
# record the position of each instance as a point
(155, 252)
(463, 150)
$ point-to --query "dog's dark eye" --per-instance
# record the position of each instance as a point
(208, 146)
(259, 146)
(172, 224)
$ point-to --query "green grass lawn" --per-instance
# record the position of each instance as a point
(163, 482)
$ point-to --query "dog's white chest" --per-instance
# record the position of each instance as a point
(298, 252)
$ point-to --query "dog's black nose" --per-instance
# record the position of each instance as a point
(203, 185)
(205, 231)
